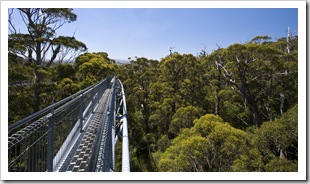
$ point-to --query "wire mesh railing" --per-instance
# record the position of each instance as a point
(37, 142)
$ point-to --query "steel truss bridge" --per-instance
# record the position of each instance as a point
(76, 134)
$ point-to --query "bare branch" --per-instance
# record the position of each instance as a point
(68, 53)
(238, 61)
(226, 73)
(11, 27)
(224, 69)
(241, 119)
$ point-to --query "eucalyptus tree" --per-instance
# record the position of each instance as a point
(138, 78)
(251, 70)
(93, 67)
(40, 45)
(210, 145)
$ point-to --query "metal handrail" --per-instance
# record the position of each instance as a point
(125, 149)
(47, 109)
(32, 148)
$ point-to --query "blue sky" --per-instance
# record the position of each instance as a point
(150, 32)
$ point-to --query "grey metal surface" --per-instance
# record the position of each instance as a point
(105, 158)
(78, 159)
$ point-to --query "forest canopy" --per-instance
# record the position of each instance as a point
(234, 109)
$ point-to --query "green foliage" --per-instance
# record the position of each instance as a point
(94, 66)
(184, 158)
(32, 46)
(183, 118)
(69, 42)
(245, 84)
(273, 147)
(260, 39)
(211, 145)
(279, 138)
(163, 143)
(66, 87)
(245, 90)
(56, 83)
(249, 161)
(62, 71)
(281, 165)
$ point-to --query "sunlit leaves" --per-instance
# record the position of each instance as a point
(211, 145)
(260, 39)
(281, 165)
(70, 42)
(66, 87)
(186, 156)
(280, 137)
(273, 147)
(183, 118)
(94, 66)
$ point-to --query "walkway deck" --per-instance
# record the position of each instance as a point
(79, 157)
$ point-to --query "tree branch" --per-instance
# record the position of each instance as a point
(227, 74)
(241, 119)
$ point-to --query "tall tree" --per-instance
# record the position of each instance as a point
(137, 77)
(41, 40)
(250, 70)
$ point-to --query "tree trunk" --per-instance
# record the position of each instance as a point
(252, 104)
(282, 154)
(282, 99)
(38, 79)
(217, 99)
(216, 106)
(36, 89)
(30, 59)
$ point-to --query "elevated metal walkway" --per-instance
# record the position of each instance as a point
(79, 157)
(77, 134)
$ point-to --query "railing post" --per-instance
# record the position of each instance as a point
(81, 113)
(93, 99)
(50, 141)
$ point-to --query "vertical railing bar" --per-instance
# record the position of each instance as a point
(81, 113)
(36, 151)
(29, 152)
(15, 152)
(50, 141)
(93, 99)
(42, 166)
(39, 150)
(32, 154)
(25, 158)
